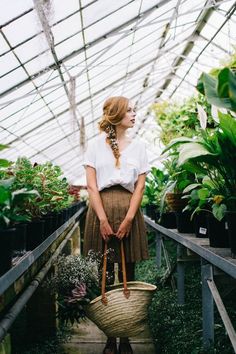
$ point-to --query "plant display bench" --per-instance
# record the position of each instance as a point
(18, 285)
(210, 258)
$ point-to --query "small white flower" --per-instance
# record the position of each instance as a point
(202, 116)
(214, 113)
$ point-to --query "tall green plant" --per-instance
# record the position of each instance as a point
(221, 90)
(214, 153)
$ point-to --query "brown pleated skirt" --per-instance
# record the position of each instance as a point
(116, 200)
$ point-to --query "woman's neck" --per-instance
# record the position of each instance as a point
(121, 134)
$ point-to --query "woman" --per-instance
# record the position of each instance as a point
(116, 168)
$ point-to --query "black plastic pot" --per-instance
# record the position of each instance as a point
(54, 221)
(184, 223)
(48, 225)
(151, 210)
(65, 214)
(6, 237)
(231, 224)
(60, 219)
(218, 234)
(200, 225)
(19, 239)
(168, 220)
(35, 234)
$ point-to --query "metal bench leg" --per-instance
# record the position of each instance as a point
(180, 275)
(207, 305)
(158, 249)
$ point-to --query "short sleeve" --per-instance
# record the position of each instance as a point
(144, 165)
(90, 157)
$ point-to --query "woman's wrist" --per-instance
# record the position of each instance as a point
(103, 219)
(129, 218)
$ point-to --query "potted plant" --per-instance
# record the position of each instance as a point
(48, 210)
(208, 211)
(178, 178)
(11, 203)
(214, 152)
(155, 181)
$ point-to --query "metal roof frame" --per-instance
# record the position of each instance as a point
(144, 49)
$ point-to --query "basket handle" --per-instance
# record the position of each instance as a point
(104, 270)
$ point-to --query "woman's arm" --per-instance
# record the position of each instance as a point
(96, 203)
(135, 203)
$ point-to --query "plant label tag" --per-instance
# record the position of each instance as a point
(202, 230)
(226, 226)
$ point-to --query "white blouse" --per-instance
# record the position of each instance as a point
(133, 162)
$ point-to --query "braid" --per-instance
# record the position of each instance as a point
(112, 141)
(114, 110)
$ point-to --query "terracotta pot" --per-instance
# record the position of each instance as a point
(175, 201)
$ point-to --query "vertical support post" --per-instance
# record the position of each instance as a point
(207, 305)
(180, 275)
(158, 249)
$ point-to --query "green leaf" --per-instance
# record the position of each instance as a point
(7, 183)
(227, 86)
(190, 187)
(176, 142)
(232, 89)
(203, 193)
(200, 85)
(191, 150)
(223, 83)
(5, 163)
(4, 195)
(210, 89)
(219, 211)
(228, 125)
(2, 147)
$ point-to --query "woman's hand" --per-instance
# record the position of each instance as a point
(124, 228)
(105, 230)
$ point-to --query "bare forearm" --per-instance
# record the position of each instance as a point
(135, 202)
(96, 203)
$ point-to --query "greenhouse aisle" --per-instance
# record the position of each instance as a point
(88, 339)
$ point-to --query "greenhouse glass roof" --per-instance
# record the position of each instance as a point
(59, 61)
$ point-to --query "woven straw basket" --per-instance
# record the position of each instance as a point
(122, 317)
(121, 311)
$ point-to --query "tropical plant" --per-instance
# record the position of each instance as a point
(178, 178)
(220, 91)
(205, 196)
(214, 154)
(155, 182)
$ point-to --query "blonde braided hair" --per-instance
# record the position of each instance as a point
(114, 110)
